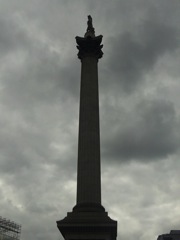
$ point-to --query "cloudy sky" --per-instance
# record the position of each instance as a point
(139, 112)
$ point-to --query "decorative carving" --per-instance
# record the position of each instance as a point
(89, 46)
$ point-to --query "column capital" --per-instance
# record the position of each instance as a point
(89, 46)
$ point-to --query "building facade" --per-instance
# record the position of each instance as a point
(173, 235)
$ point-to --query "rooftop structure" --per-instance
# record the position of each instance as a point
(173, 235)
(9, 230)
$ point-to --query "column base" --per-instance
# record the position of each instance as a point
(83, 225)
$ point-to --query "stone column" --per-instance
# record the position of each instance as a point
(88, 220)
(89, 176)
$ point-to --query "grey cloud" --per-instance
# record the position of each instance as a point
(33, 71)
(39, 79)
(11, 37)
(137, 183)
(150, 133)
(134, 54)
(40, 76)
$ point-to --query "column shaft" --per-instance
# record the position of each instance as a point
(88, 179)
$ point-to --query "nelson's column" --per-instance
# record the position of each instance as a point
(88, 220)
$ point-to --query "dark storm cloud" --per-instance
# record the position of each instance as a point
(134, 54)
(36, 82)
(39, 84)
(34, 72)
(46, 79)
(149, 133)
(34, 69)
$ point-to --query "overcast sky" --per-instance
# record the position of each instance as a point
(139, 111)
